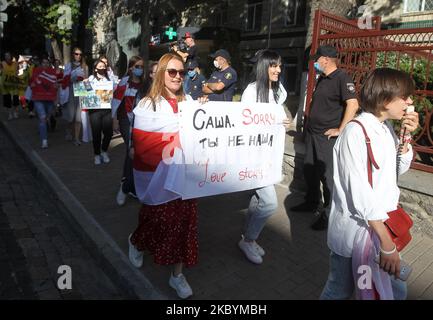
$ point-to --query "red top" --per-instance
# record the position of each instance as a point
(173, 103)
(44, 84)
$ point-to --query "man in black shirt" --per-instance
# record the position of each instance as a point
(333, 105)
(191, 50)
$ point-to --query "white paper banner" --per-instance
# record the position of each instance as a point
(98, 95)
(228, 147)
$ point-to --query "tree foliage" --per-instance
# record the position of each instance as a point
(47, 14)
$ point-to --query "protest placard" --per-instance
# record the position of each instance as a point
(228, 147)
(99, 97)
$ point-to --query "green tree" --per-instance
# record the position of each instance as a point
(57, 18)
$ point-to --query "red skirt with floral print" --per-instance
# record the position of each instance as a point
(169, 232)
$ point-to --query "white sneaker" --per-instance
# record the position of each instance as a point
(44, 144)
(15, 115)
(250, 251)
(259, 249)
(121, 196)
(105, 157)
(98, 160)
(10, 117)
(181, 286)
(135, 256)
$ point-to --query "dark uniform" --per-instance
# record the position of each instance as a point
(327, 112)
(193, 86)
(192, 54)
(229, 77)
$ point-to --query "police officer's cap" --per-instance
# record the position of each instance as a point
(191, 64)
(221, 53)
(324, 51)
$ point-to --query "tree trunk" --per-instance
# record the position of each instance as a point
(337, 7)
(56, 49)
(145, 31)
(66, 53)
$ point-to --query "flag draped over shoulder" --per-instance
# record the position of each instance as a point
(366, 247)
(155, 137)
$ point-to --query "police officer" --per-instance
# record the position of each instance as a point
(333, 105)
(194, 80)
(222, 82)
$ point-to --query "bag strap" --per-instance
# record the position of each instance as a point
(370, 158)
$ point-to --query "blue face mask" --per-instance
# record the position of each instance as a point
(192, 73)
(138, 72)
(317, 67)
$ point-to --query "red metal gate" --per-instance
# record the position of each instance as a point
(362, 50)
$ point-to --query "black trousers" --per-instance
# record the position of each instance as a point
(318, 168)
(101, 123)
(10, 101)
(128, 175)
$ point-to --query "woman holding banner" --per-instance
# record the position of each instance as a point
(75, 71)
(266, 89)
(100, 119)
(167, 225)
(9, 73)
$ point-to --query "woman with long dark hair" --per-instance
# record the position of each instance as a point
(265, 89)
(126, 96)
(100, 119)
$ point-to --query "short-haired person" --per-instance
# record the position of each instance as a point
(191, 50)
(356, 204)
(333, 105)
(221, 84)
(168, 230)
(194, 80)
(266, 89)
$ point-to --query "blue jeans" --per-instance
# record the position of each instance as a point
(263, 204)
(340, 283)
(43, 110)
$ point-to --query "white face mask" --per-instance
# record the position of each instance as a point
(215, 63)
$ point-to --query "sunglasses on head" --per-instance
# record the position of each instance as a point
(173, 72)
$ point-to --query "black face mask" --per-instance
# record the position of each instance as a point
(101, 72)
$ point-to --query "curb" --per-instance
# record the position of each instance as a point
(131, 281)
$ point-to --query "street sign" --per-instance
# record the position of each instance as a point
(170, 33)
(155, 40)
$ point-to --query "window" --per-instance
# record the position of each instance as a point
(296, 13)
(417, 5)
(221, 14)
(254, 15)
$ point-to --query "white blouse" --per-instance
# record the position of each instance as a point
(354, 201)
(250, 94)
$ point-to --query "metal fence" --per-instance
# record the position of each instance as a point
(362, 50)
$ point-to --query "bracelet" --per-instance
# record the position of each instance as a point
(388, 252)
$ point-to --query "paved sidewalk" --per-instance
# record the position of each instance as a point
(35, 240)
(296, 261)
